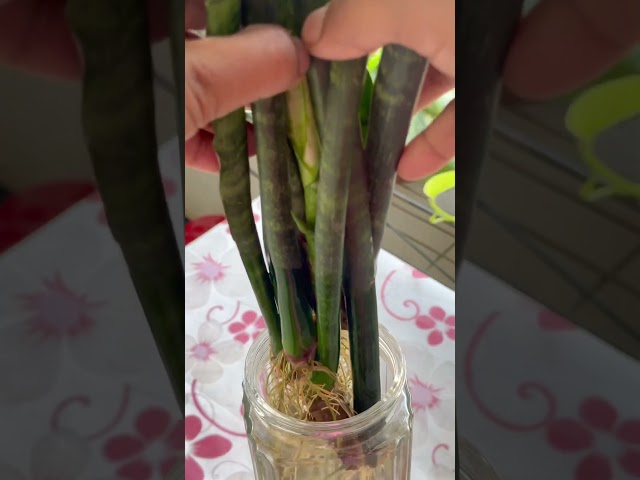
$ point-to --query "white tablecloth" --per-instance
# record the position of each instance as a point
(80, 409)
(222, 320)
(82, 389)
(539, 397)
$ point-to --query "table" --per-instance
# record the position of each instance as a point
(82, 410)
(222, 316)
(538, 396)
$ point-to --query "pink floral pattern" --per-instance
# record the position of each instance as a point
(417, 274)
(206, 447)
(57, 311)
(424, 396)
(432, 386)
(209, 270)
(205, 355)
(550, 321)
(154, 427)
(440, 324)
(249, 328)
(53, 318)
(598, 420)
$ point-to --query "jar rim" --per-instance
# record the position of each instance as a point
(390, 352)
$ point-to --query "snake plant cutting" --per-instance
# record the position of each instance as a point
(119, 125)
(327, 154)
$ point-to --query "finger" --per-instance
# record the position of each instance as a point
(564, 44)
(432, 149)
(35, 35)
(352, 28)
(199, 152)
(225, 73)
(435, 85)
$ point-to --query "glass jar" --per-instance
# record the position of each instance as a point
(375, 444)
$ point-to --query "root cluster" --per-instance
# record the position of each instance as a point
(291, 391)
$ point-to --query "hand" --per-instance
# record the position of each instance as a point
(347, 29)
(226, 73)
(562, 45)
(35, 37)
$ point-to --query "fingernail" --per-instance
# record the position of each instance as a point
(302, 54)
(312, 29)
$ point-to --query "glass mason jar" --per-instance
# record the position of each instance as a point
(375, 444)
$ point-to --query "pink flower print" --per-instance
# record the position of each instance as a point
(222, 273)
(57, 311)
(600, 437)
(423, 395)
(205, 354)
(417, 274)
(53, 317)
(149, 453)
(249, 328)
(208, 447)
(550, 321)
(60, 455)
(432, 387)
(209, 270)
(439, 323)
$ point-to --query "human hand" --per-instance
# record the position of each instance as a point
(347, 29)
(34, 35)
(562, 45)
(225, 73)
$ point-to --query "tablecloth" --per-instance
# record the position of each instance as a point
(81, 410)
(72, 406)
(517, 356)
(539, 397)
(222, 320)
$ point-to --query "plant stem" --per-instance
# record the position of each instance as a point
(296, 320)
(360, 291)
(230, 143)
(398, 83)
(304, 139)
(343, 101)
(235, 189)
(119, 125)
(318, 78)
(318, 73)
(296, 188)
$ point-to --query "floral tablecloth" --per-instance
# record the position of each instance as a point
(74, 408)
(222, 320)
(539, 397)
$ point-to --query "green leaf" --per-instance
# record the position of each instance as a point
(373, 63)
(305, 229)
(419, 123)
(439, 105)
(365, 105)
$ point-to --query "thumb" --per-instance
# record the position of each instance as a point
(346, 29)
(225, 73)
